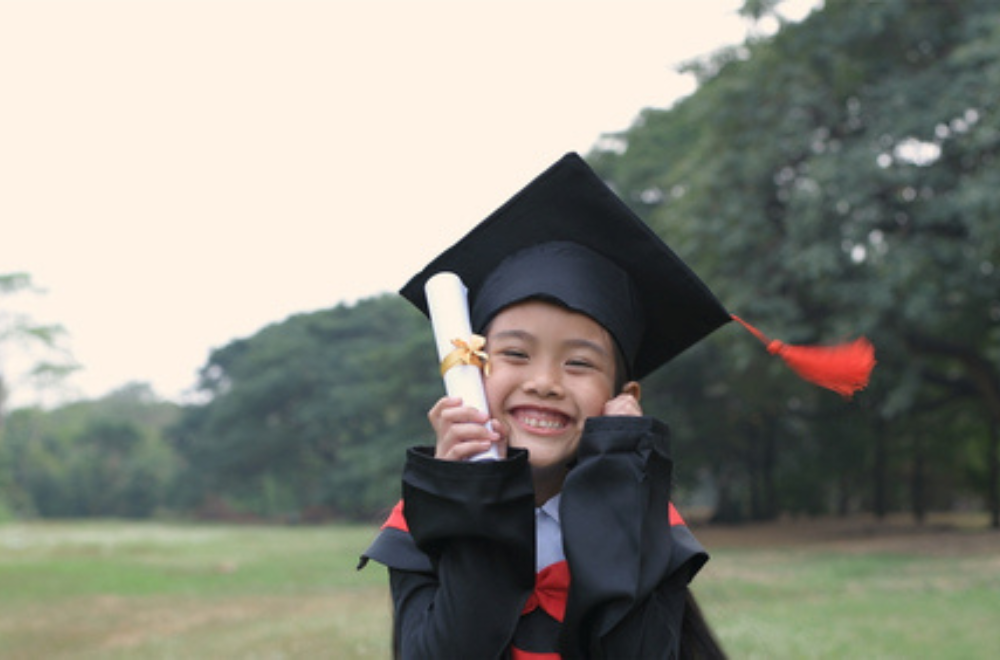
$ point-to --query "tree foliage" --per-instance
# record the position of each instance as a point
(837, 178)
(20, 331)
(107, 457)
(313, 412)
(842, 177)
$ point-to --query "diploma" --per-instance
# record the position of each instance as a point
(448, 305)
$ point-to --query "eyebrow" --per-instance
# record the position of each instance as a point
(569, 343)
(586, 344)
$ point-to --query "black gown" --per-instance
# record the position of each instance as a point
(461, 558)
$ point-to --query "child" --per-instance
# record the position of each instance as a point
(568, 546)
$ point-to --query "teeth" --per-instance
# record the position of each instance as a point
(542, 423)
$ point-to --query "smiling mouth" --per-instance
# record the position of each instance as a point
(542, 420)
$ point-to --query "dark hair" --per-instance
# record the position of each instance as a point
(697, 640)
(621, 370)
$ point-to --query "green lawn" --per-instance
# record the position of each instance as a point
(784, 604)
(150, 590)
(146, 590)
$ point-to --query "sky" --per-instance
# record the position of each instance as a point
(178, 174)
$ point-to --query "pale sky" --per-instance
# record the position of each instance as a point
(179, 174)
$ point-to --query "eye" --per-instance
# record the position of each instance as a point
(513, 354)
(579, 363)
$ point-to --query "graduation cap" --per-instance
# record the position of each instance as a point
(569, 239)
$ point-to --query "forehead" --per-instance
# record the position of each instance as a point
(538, 317)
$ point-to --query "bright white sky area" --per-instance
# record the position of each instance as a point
(178, 174)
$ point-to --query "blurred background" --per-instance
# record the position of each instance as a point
(207, 206)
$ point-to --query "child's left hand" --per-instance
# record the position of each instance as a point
(623, 405)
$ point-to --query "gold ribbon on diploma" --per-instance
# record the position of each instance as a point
(467, 352)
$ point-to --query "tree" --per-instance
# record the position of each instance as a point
(841, 177)
(313, 412)
(107, 457)
(22, 331)
(19, 330)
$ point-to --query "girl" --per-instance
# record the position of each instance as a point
(568, 546)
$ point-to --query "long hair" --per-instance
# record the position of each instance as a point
(697, 640)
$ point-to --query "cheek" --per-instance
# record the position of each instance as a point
(595, 399)
(496, 387)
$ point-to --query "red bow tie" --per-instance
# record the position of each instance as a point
(551, 589)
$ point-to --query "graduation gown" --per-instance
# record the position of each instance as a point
(460, 548)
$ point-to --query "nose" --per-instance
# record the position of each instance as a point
(544, 381)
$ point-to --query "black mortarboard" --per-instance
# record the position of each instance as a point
(568, 238)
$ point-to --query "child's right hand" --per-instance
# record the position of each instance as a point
(461, 431)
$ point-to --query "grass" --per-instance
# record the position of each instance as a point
(144, 590)
(150, 590)
(783, 604)
(864, 592)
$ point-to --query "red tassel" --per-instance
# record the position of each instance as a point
(844, 368)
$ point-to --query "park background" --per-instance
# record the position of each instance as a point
(834, 177)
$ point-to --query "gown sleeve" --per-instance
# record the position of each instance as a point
(475, 523)
(630, 560)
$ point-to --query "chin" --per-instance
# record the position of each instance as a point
(546, 451)
(541, 458)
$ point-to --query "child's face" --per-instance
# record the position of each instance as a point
(551, 369)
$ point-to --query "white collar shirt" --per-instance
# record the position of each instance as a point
(548, 534)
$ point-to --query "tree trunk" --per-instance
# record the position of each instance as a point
(880, 485)
(917, 494)
(993, 490)
(753, 466)
(727, 509)
(986, 380)
(843, 495)
(770, 497)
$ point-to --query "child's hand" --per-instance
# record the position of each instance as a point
(623, 405)
(461, 431)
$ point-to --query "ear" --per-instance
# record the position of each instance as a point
(634, 388)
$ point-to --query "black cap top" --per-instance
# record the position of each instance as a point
(567, 238)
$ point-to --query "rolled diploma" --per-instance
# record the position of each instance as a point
(448, 305)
